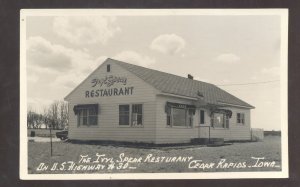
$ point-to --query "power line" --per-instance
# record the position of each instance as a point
(249, 83)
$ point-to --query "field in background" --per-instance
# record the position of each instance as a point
(42, 132)
(270, 149)
(272, 133)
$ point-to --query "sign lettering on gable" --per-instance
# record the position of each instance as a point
(109, 92)
(109, 81)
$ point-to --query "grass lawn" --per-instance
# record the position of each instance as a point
(235, 158)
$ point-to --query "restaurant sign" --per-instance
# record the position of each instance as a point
(107, 82)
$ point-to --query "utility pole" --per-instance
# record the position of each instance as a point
(50, 140)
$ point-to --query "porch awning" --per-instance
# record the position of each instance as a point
(224, 111)
(95, 107)
(191, 108)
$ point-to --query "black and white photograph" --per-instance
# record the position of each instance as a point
(153, 93)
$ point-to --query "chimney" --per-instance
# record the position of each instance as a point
(190, 76)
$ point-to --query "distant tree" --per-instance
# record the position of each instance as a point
(30, 118)
(46, 118)
(34, 120)
(55, 116)
(64, 114)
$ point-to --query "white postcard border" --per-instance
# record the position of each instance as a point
(151, 12)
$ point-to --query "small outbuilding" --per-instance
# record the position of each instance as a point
(129, 103)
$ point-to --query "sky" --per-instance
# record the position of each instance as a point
(61, 51)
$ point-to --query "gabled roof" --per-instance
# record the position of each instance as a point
(177, 85)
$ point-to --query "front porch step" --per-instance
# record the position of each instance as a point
(201, 141)
(208, 141)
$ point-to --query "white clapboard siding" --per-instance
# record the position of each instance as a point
(236, 131)
(108, 118)
(165, 134)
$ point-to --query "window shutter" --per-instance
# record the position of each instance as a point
(227, 122)
(78, 121)
(243, 118)
(168, 112)
(75, 109)
(167, 109)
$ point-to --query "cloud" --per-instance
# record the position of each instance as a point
(168, 44)
(54, 70)
(85, 29)
(254, 77)
(79, 73)
(228, 58)
(69, 81)
(226, 81)
(101, 59)
(32, 78)
(135, 58)
(42, 53)
(38, 104)
(273, 71)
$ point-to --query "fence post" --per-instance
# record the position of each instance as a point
(50, 141)
(209, 134)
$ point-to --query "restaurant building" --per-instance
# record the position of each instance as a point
(129, 103)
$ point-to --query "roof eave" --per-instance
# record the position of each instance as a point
(235, 105)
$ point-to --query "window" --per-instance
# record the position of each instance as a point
(240, 118)
(124, 114)
(179, 115)
(87, 116)
(108, 68)
(135, 115)
(202, 121)
(220, 120)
